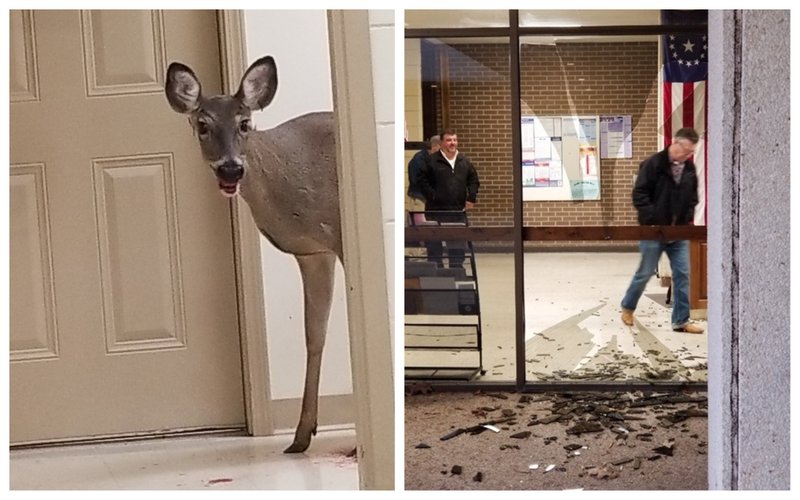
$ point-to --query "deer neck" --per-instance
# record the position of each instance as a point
(290, 185)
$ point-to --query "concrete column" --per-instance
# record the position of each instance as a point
(748, 232)
(362, 242)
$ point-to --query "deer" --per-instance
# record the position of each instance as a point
(287, 176)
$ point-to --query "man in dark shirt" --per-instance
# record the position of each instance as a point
(665, 194)
(449, 183)
(416, 200)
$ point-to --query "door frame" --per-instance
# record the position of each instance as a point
(246, 254)
(367, 298)
(368, 303)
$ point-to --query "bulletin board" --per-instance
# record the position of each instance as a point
(560, 158)
(616, 139)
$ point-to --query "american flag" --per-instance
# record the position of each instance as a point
(685, 102)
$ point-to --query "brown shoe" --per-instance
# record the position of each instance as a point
(627, 316)
(689, 328)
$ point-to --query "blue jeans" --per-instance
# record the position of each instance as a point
(678, 253)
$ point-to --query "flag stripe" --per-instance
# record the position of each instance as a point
(701, 154)
(667, 113)
(685, 100)
(688, 104)
(676, 121)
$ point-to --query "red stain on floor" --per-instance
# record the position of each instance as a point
(220, 480)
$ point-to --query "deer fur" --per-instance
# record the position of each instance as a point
(287, 175)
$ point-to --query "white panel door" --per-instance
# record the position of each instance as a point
(123, 300)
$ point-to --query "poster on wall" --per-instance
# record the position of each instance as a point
(560, 158)
(616, 140)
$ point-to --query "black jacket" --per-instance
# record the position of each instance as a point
(415, 166)
(658, 199)
(447, 188)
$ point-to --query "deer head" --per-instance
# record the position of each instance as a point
(222, 123)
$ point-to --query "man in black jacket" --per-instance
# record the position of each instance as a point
(416, 200)
(665, 194)
(450, 185)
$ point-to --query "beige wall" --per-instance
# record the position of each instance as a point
(304, 71)
(304, 86)
(381, 34)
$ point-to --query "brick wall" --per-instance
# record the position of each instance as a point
(618, 78)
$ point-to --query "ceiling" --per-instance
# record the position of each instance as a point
(534, 18)
(528, 18)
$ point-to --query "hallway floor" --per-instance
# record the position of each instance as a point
(572, 320)
(190, 463)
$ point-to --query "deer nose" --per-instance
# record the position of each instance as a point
(230, 172)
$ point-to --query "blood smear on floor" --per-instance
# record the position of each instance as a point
(220, 480)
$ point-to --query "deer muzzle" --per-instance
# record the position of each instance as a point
(229, 174)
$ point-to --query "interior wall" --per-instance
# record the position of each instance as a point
(298, 40)
(587, 78)
(304, 85)
(382, 34)
(563, 79)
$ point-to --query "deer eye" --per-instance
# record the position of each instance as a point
(202, 127)
(244, 126)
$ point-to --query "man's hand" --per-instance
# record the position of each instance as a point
(469, 205)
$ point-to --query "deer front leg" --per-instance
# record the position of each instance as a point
(317, 272)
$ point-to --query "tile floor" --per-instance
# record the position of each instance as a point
(573, 328)
(190, 463)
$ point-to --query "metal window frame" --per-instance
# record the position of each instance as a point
(519, 233)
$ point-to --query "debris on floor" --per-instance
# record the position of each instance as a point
(344, 459)
(605, 440)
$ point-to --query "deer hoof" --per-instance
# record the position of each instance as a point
(297, 447)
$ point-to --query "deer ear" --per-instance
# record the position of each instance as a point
(259, 84)
(182, 88)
